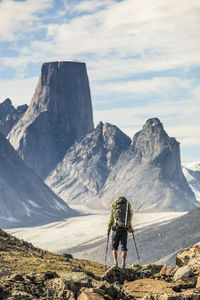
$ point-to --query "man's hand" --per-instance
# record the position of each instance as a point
(131, 230)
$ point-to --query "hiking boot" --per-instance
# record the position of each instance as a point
(115, 264)
(123, 265)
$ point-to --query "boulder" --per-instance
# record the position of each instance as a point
(116, 274)
(183, 272)
(167, 270)
(189, 256)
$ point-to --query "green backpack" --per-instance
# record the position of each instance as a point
(121, 214)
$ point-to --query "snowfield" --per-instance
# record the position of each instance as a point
(74, 234)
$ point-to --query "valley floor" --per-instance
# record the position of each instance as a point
(82, 236)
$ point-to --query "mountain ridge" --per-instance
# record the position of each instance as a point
(25, 199)
(147, 171)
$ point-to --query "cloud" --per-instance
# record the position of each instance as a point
(117, 39)
(159, 86)
(180, 119)
(87, 6)
(21, 94)
(17, 17)
(131, 28)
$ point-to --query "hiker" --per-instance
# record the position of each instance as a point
(120, 223)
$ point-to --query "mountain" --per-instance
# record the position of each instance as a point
(9, 115)
(149, 173)
(24, 199)
(60, 113)
(106, 164)
(81, 175)
(192, 174)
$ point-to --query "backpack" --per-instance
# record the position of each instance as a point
(121, 214)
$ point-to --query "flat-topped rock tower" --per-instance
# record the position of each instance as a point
(60, 113)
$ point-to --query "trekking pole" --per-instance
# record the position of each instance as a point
(136, 247)
(106, 252)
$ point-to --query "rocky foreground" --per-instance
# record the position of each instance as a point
(27, 272)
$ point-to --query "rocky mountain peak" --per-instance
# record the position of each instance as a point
(5, 108)
(59, 114)
(149, 173)
(152, 144)
(153, 123)
(81, 175)
(9, 115)
(7, 102)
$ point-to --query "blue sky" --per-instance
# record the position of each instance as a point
(142, 57)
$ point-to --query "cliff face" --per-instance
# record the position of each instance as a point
(60, 113)
(192, 174)
(24, 199)
(9, 115)
(149, 173)
(81, 175)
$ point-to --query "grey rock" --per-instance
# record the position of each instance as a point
(149, 173)
(183, 272)
(24, 199)
(79, 178)
(76, 277)
(60, 113)
(9, 115)
(119, 274)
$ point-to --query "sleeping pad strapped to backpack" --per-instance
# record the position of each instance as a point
(121, 214)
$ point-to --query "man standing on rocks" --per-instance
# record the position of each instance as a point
(120, 223)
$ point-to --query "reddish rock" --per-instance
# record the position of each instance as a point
(167, 270)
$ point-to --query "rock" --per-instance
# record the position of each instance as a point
(81, 175)
(9, 115)
(67, 255)
(146, 271)
(17, 277)
(119, 274)
(167, 270)
(20, 295)
(182, 272)
(28, 200)
(190, 256)
(60, 113)
(90, 294)
(185, 283)
(76, 278)
(198, 282)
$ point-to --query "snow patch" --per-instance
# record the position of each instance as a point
(35, 205)
(9, 219)
(59, 206)
(27, 209)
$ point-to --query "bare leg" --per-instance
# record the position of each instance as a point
(114, 253)
(124, 253)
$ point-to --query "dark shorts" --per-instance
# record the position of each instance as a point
(119, 236)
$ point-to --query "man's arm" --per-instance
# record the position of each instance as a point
(111, 221)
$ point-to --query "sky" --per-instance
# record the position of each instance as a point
(142, 58)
